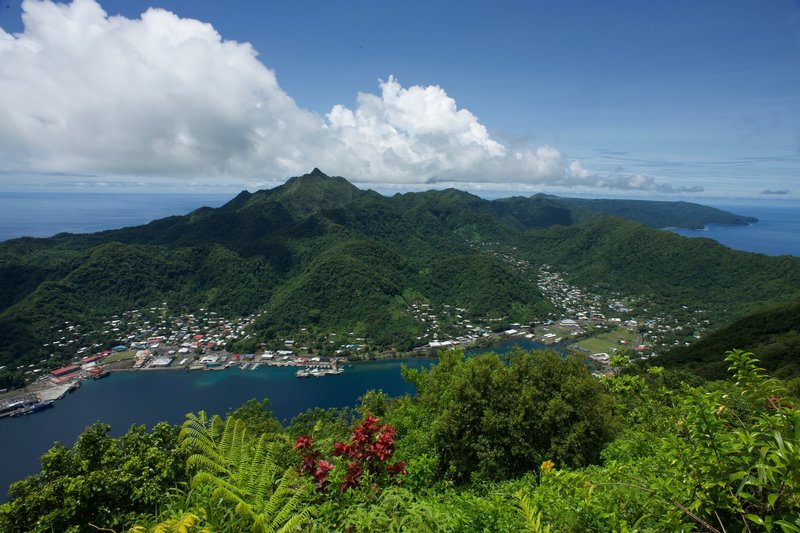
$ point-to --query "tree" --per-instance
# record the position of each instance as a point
(492, 419)
(257, 417)
(101, 480)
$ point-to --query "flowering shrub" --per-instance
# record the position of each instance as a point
(368, 453)
(311, 463)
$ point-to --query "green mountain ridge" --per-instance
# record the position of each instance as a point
(519, 442)
(319, 251)
(652, 213)
(667, 269)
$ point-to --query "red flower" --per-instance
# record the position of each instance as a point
(397, 468)
(340, 448)
(323, 467)
(371, 446)
(320, 474)
(380, 450)
(369, 423)
(353, 476)
(303, 441)
(774, 402)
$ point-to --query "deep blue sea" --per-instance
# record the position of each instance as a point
(777, 231)
(43, 214)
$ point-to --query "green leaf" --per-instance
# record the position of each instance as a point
(788, 527)
(771, 499)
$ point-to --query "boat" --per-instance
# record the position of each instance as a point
(33, 408)
(317, 372)
(40, 406)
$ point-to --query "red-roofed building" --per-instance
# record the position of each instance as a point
(64, 374)
(65, 371)
(92, 358)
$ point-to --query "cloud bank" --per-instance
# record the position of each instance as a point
(163, 96)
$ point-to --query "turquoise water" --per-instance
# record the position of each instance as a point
(147, 397)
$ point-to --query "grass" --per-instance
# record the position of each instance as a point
(120, 356)
(607, 341)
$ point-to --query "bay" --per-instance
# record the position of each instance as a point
(148, 397)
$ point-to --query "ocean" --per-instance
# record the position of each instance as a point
(40, 214)
(777, 231)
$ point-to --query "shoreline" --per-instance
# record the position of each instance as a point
(47, 391)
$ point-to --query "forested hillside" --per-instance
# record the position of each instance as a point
(653, 213)
(773, 333)
(663, 268)
(319, 252)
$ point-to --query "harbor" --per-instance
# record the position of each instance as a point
(27, 404)
(33, 402)
(42, 393)
(128, 397)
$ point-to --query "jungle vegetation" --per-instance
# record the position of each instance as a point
(529, 441)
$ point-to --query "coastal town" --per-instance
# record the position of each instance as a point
(594, 325)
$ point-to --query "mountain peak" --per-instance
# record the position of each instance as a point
(311, 192)
(316, 179)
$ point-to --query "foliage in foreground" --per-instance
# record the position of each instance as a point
(721, 456)
(237, 482)
(101, 480)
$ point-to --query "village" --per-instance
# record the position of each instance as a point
(596, 326)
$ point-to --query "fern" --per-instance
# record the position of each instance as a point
(243, 476)
(184, 524)
(531, 516)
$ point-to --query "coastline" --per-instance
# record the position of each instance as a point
(46, 391)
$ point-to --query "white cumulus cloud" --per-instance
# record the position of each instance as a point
(159, 95)
(164, 96)
(414, 134)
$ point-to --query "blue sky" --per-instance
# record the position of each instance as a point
(666, 99)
